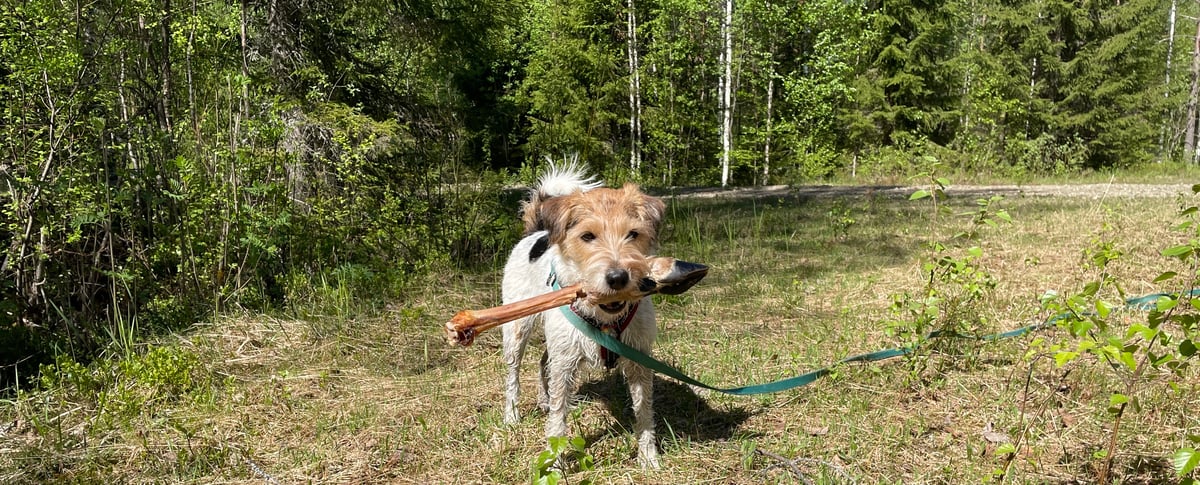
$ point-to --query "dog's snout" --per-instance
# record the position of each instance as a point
(616, 278)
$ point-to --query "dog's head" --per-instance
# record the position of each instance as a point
(607, 235)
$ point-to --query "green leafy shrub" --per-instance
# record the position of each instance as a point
(547, 465)
(1139, 353)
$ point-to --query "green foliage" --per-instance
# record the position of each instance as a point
(841, 219)
(987, 214)
(154, 174)
(933, 185)
(547, 465)
(166, 160)
(1154, 352)
(117, 390)
(1185, 460)
(951, 304)
(571, 89)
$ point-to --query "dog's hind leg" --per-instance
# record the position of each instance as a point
(516, 337)
(543, 399)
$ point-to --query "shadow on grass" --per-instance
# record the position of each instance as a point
(678, 411)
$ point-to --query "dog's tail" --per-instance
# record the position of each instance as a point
(563, 178)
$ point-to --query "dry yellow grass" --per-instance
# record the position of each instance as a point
(383, 399)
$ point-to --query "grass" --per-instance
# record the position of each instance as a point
(346, 396)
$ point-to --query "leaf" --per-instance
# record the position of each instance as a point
(1127, 359)
(1144, 331)
(1103, 309)
(1184, 461)
(578, 443)
(1117, 399)
(1165, 303)
(1181, 252)
(1006, 449)
(1187, 348)
(920, 194)
(1048, 296)
(1061, 358)
(942, 181)
(1165, 276)
(544, 461)
(1080, 327)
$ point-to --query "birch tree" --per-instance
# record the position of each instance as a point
(1189, 137)
(727, 92)
(635, 91)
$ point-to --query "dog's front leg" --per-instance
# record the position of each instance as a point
(641, 390)
(516, 337)
(560, 383)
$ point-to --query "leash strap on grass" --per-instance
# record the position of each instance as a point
(620, 348)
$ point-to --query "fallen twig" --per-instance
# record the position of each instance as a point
(784, 462)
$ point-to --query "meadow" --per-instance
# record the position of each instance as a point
(350, 392)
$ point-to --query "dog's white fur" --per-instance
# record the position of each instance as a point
(567, 350)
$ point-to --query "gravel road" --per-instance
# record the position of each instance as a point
(1091, 191)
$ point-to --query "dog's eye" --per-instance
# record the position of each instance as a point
(632, 235)
(588, 237)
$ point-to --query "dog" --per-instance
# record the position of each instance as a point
(577, 231)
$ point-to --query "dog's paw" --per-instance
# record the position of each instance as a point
(648, 461)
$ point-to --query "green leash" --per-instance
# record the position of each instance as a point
(618, 347)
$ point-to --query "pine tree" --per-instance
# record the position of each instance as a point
(1110, 94)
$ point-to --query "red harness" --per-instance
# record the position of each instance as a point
(613, 329)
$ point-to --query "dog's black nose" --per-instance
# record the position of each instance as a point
(616, 278)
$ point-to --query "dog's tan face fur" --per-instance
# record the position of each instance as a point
(605, 232)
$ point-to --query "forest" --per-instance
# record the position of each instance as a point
(165, 159)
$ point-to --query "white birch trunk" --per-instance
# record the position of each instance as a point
(727, 95)
(1189, 139)
(635, 88)
(1163, 133)
(1170, 43)
(766, 172)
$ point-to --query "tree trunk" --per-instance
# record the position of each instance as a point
(727, 95)
(245, 104)
(195, 119)
(1189, 138)
(165, 64)
(1163, 149)
(767, 144)
(635, 96)
(1170, 44)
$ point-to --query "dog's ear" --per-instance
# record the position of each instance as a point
(647, 208)
(554, 215)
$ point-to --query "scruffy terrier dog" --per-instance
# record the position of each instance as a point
(577, 231)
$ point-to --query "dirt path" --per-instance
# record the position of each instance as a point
(1093, 191)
